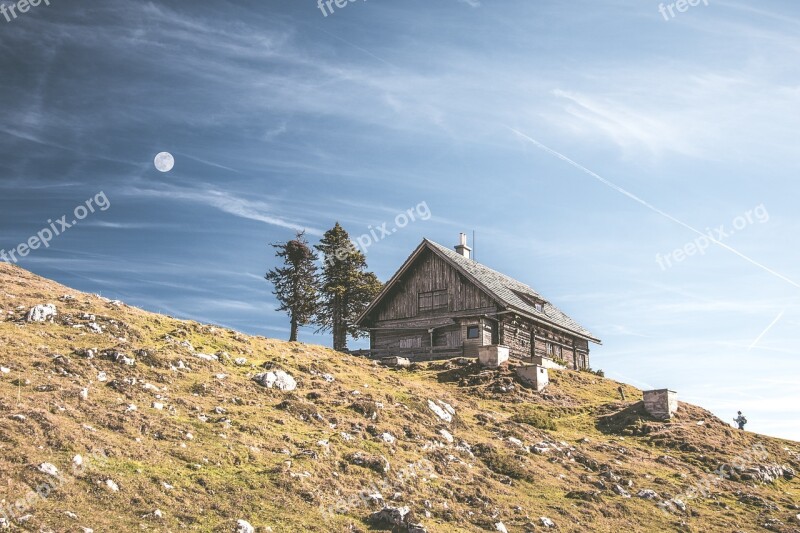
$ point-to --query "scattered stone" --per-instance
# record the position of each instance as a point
(396, 362)
(648, 494)
(395, 516)
(447, 435)
(516, 442)
(158, 406)
(77, 461)
(84, 394)
(124, 359)
(112, 485)
(441, 413)
(157, 514)
(240, 361)
(102, 376)
(622, 492)
(278, 378)
(4, 370)
(679, 504)
(501, 527)
(388, 438)
(243, 526)
(49, 469)
(71, 515)
(42, 313)
(20, 418)
(206, 357)
(546, 522)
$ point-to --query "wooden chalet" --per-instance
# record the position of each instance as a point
(441, 303)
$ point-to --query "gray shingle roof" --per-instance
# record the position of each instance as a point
(510, 291)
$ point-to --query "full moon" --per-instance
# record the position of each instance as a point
(164, 162)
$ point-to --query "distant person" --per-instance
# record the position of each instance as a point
(740, 420)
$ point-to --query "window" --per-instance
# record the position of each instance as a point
(538, 306)
(433, 300)
(473, 332)
(411, 342)
(549, 349)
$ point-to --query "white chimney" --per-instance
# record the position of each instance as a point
(462, 247)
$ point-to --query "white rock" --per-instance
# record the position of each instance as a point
(501, 527)
(240, 361)
(71, 515)
(441, 413)
(124, 359)
(4, 370)
(388, 438)
(189, 436)
(102, 376)
(329, 378)
(279, 379)
(166, 485)
(94, 327)
(131, 408)
(21, 418)
(84, 394)
(206, 357)
(243, 526)
(516, 442)
(546, 522)
(4, 523)
(447, 435)
(158, 514)
(447, 407)
(112, 486)
(158, 406)
(49, 469)
(77, 461)
(42, 313)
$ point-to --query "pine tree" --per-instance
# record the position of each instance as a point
(347, 288)
(296, 284)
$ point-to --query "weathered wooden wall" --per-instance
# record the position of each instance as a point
(431, 273)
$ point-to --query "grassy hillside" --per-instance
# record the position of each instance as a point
(174, 434)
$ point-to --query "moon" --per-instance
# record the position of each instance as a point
(164, 162)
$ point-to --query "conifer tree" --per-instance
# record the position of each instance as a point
(346, 287)
(296, 283)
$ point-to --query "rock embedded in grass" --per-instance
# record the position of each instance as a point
(243, 526)
(49, 469)
(42, 313)
(279, 379)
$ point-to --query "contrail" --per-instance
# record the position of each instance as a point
(766, 330)
(651, 206)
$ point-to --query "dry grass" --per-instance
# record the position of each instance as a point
(224, 448)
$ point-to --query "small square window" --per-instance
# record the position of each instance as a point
(473, 332)
(538, 306)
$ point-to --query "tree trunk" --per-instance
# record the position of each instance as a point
(293, 333)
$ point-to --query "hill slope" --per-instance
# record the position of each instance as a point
(124, 420)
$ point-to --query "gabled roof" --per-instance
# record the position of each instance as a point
(510, 293)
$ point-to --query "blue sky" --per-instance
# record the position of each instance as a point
(282, 118)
